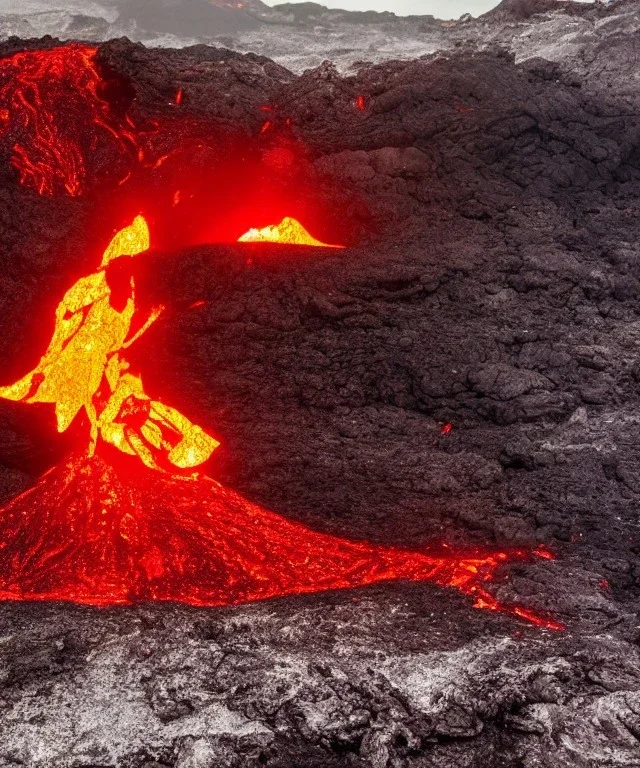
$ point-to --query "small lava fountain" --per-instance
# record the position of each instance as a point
(129, 519)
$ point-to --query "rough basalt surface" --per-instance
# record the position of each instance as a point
(492, 282)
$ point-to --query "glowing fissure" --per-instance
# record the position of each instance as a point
(288, 231)
(52, 105)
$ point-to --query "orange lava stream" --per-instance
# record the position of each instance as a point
(289, 232)
(53, 111)
(92, 532)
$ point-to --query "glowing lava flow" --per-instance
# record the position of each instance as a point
(289, 231)
(83, 367)
(54, 113)
(94, 532)
(109, 528)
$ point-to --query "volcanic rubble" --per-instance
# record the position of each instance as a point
(492, 282)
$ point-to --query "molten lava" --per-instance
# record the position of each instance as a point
(119, 526)
(289, 231)
(83, 367)
(55, 114)
(94, 532)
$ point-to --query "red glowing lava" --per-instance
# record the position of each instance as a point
(85, 367)
(288, 232)
(93, 531)
(55, 115)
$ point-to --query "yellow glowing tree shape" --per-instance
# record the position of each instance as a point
(288, 231)
(82, 368)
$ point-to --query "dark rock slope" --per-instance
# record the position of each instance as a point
(492, 282)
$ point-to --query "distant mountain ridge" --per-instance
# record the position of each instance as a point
(521, 10)
(304, 35)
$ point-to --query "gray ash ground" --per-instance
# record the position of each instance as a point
(493, 282)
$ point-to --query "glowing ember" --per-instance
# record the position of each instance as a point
(543, 553)
(107, 530)
(83, 369)
(52, 105)
(289, 231)
(361, 103)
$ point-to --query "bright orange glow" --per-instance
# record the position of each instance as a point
(43, 94)
(130, 241)
(289, 232)
(83, 368)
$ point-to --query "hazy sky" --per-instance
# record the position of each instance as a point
(442, 9)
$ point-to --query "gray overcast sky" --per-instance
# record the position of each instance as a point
(442, 9)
